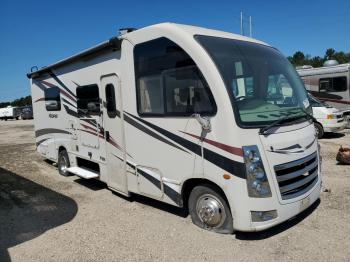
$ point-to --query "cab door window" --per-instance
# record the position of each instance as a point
(168, 82)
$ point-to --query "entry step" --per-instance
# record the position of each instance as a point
(82, 172)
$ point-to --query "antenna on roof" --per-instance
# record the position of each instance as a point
(123, 31)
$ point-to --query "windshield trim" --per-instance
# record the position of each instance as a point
(235, 109)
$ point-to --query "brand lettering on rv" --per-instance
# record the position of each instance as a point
(53, 115)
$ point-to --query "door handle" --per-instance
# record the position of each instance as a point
(107, 135)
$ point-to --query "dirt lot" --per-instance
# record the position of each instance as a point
(46, 217)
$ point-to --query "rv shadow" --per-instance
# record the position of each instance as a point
(28, 209)
(178, 211)
(96, 185)
(279, 228)
(92, 184)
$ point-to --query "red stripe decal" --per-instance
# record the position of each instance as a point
(88, 127)
(40, 99)
(61, 90)
(101, 135)
(233, 150)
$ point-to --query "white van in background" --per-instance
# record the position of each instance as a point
(9, 113)
(329, 119)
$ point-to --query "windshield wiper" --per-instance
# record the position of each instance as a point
(263, 130)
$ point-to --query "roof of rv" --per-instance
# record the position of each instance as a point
(324, 70)
(192, 30)
(115, 42)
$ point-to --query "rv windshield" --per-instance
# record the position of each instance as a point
(263, 86)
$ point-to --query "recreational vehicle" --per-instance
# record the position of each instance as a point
(330, 83)
(207, 120)
(10, 112)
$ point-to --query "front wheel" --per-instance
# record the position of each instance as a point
(63, 163)
(209, 210)
(319, 130)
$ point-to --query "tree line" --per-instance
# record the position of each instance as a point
(23, 101)
(300, 59)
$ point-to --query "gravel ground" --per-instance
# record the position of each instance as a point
(46, 217)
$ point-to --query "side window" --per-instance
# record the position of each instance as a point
(335, 84)
(88, 100)
(168, 82)
(52, 99)
(110, 101)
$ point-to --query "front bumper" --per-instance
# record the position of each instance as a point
(334, 127)
(284, 211)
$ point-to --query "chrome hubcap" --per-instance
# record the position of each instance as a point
(210, 211)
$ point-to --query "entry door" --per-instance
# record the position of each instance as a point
(113, 130)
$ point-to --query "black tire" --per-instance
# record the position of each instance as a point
(319, 130)
(203, 194)
(63, 163)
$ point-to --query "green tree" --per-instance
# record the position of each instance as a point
(329, 54)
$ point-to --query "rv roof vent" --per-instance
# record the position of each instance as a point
(123, 31)
(331, 63)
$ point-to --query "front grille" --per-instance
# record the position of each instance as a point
(297, 177)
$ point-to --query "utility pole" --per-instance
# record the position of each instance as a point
(250, 26)
(241, 23)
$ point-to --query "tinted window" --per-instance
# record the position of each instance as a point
(110, 101)
(168, 82)
(52, 99)
(88, 100)
(335, 84)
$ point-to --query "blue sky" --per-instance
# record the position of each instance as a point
(42, 32)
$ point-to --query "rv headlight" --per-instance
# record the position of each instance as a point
(257, 182)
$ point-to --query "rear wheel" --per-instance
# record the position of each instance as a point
(319, 130)
(209, 209)
(63, 163)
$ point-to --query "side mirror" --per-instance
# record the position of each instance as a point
(204, 122)
(52, 105)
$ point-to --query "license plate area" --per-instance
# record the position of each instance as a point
(304, 203)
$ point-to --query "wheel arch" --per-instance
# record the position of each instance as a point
(191, 183)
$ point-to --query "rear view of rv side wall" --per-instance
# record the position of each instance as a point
(140, 113)
(330, 84)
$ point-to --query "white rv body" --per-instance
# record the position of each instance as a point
(164, 156)
(330, 84)
(9, 112)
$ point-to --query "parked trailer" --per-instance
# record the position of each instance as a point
(9, 113)
(188, 116)
(330, 84)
